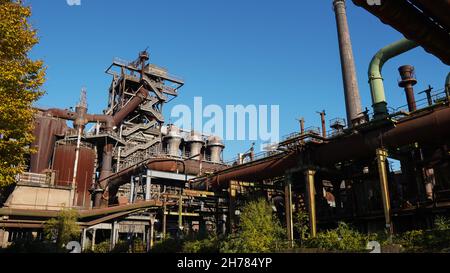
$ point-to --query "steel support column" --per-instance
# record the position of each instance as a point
(310, 191)
(382, 156)
(231, 205)
(94, 231)
(151, 232)
(113, 235)
(83, 240)
(288, 210)
(164, 224)
(131, 200)
(180, 212)
(148, 185)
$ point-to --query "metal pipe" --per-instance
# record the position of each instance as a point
(351, 89)
(302, 126)
(379, 103)
(148, 185)
(323, 122)
(407, 82)
(75, 167)
(131, 199)
(310, 191)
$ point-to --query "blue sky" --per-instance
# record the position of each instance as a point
(229, 52)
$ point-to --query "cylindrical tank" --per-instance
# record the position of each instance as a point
(45, 131)
(195, 143)
(63, 165)
(173, 141)
(215, 147)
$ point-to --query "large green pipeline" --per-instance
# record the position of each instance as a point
(379, 103)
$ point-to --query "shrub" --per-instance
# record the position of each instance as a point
(209, 245)
(259, 230)
(27, 246)
(168, 245)
(343, 238)
(62, 229)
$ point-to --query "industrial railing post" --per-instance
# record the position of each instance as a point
(382, 156)
(288, 208)
(309, 175)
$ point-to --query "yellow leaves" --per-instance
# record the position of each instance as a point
(20, 83)
(16, 35)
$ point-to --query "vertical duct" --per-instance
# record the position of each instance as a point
(351, 90)
(407, 82)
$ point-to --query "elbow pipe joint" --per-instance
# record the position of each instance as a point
(379, 103)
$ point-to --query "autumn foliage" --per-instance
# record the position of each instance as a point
(20, 85)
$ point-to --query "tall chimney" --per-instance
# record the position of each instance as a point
(351, 90)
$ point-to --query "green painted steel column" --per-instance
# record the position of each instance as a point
(379, 103)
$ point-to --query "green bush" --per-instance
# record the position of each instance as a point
(102, 247)
(259, 231)
(436, 240)
(343, 239)
(442, 223)
(62, 229)
(27, 246)
(168, 245)
(209, 245)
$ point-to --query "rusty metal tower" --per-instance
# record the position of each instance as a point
(141, 129)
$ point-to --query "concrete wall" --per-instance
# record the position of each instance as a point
(39, 198)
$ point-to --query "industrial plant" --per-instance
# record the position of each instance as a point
(127, 170)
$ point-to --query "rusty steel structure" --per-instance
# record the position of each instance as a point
(131, 169)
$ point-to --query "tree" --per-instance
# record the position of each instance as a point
(259, 231)
(62, 229)
(20, 81)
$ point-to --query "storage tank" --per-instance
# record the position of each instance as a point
(63, 165)
(215, 147)
(45, 133)
(195, 143)
(173, 140)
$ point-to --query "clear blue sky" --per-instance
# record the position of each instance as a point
(228, 51)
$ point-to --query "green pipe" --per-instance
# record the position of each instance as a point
(379, 103)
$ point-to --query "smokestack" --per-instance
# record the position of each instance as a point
(407, 82)
(351, 90)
